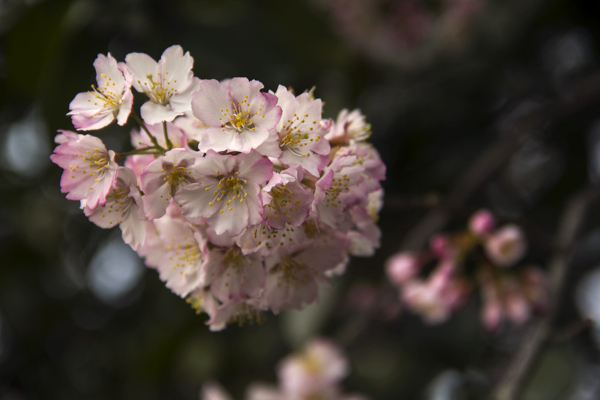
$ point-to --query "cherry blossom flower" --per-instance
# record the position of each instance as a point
(506, 246)
(241, 311)
(438, 296)
(482, 223)
(285, 200)
(344, 172)
(227, 194)
(320, 365)
(197, 196)
(402, 267)
(238, 115)
(260, 238)
(232, 274)
(294, 274)
(164, 177)
(168, 83)
(90, 170)
(301, 136)
(110, 100)
(315, 372)
(180, 255)
(365, 235)
(350, 127)
(124, 208)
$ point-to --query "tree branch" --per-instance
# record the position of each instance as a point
(513, 382)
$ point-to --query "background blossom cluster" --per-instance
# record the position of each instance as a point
(242, 200)
(436, 282)
(313, 373)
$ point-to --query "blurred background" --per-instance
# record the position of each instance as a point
(439, 80)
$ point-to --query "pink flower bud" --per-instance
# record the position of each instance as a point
(506, 246)
(491, 315)
(482, 223)
(402, 267)
(517, 308)
(440, 246)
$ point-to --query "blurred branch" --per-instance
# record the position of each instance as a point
(493, 158)
(520, 367)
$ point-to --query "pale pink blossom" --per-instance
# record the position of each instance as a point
(227, 194)
(402, 267)
(365, 235)
(233, 275)
(506, 246)
(90, 170)
(294, 274)
(202, 300)
(335, 182)
(482, 223)
(262, 239)
(168, 83)
(317, 369)
(238, 114)
(436, 298)
(350, 126)
(442, 247)
(371, 175)
(124, 208)
(182, 261)
(301, 136)
(164, 177)
(111, 100)
(238, 311)
(285, 200)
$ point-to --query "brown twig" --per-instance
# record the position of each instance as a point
(512, 383)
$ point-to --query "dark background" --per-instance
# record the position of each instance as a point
(81, 317)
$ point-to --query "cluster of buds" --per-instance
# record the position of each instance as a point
(436, 282)
(242, 200)
(314, 373)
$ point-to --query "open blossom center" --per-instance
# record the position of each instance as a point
(338, 185)
(295, 273)
(294, 139)
(187, 255)
(230, 186)
(106, 95)
(98, 163)
(160, 92)
(239, 119)
(282, 202)
(176, 176)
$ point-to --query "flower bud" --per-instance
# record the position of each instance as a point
(402, 267)
(482, 223)
(506, 246)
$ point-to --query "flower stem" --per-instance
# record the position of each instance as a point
(167, 140)
(150, 150)
(152, 138)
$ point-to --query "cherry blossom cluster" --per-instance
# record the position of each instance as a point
(243, 200)
(436, 282)
(314, 373)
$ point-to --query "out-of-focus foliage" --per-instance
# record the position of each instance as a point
(80, 317)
